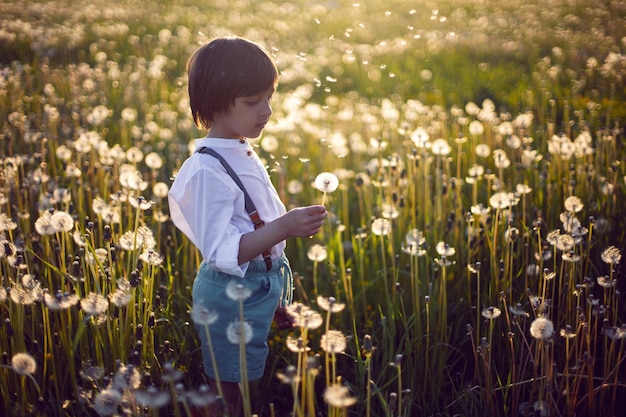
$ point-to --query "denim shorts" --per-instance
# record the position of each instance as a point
(266, 290)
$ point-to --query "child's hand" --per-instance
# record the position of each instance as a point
(283, 319)
(305, 221)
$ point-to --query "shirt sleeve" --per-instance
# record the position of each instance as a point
(204, 207)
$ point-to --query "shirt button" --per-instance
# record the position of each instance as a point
(249, 153)
(242, 141)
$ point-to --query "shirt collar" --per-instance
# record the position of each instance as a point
(222, 143)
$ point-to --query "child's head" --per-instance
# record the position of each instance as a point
(224, 69)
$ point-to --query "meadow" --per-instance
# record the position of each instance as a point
(471, 155)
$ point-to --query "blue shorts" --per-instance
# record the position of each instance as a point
(209, 292)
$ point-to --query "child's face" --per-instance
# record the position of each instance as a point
(245, 119)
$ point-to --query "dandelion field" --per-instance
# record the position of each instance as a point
(471, 264)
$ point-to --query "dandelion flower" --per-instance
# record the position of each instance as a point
(23, 364)
(160, 189)
(44, 226)
(203, 316)
(330, 304)
(297, 344)
(573, 204)
(6, 223)
(94, 304)
(294, 187)
(567, 332)
(326, 182)
(62, 221)
(305, 317)
(441, 147)
(476, 128)
(606, 282)
(134, 155)
(60, 301)
(616, 333)
(152, 398)
(503, 200)
(443, 249)
(565, 243)
(130, 241)
(120, 298)
(107, 401)
(333, 341)
(126, 377)
(541, 328)
(518, 310)
(420, 137)
(317, 253)
(339, 396)
(238, 332)
(151, 257)
(236, 291)
(153, 160)
(140, 203)
(381, 227)
(611, 255)
(491, 313)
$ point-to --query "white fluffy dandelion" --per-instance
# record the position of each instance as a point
(542, 328)
(23, 363)
(239, 332)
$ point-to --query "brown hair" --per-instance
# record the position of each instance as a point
(224, 69)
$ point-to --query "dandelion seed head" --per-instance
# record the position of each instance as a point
(491, 313)
(573, 204)
(120, 298)
(6, 224)
(567, 332)
(326, 182)
(236, 291)
(444, 249)
(60, 301)
(44, 226)
(606, 282)
(305, 317)
(150, 257)
(153, 160)
(130, 241)
(330, 304)
(297, 344)
(107, 401)
(541, 328)
(294, 187)
(518, 310)
(23, 363)
(203, 316)
(317, 253)
(140, 203)
(152, 398)
(134, 155)
(611, 255)
(160, 189)
(616, 333)
(239, 332)
(381, 226)
(94, 304)
(502, 200)
(333, 341)
(339, 396)
(441, 147)
(476, 128)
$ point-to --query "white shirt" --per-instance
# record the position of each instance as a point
(209, 208)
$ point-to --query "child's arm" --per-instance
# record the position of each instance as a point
(298, 222)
